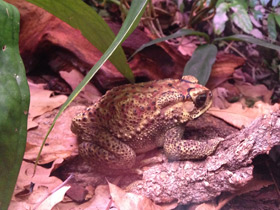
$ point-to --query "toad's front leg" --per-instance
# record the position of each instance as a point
(177, 149)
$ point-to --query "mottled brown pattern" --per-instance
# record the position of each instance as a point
(136, 118)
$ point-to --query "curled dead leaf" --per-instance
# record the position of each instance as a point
(73, 78)
(42, 101)
(223, 69)
(130, 201)
(239, 116)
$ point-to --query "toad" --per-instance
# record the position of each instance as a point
(136, 118)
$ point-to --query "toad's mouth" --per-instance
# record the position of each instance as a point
(202, 100)
(197, 112)
(201, 111)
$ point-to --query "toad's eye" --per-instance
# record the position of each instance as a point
(200, 100)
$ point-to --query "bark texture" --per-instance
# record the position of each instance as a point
(229, 169)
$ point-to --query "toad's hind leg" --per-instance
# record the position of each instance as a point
(108, 152)
(177, 149)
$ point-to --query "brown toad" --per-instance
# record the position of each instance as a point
(136, 118)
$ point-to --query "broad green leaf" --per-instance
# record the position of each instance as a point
(258, 15)
(220, 18)
(14, 103)
(275, 3)
(264, 2)
(219, 2)
(80, 16)
(181, 5)
(243, 3)
(253, 3)
(200, 64)
(271, 26)
(277, 19)
(133, 17)
(179, 33)
(246, 38)
(240, 17)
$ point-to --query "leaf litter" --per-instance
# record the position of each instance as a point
(43, 185)
(41, 101)
(62, 143)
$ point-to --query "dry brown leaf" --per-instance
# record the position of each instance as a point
(61, 142)
(225, 65)
(42, 176)
(130, 201)
(255, 91)
(240, 116)
(206, 206)
(223, 68)
(100, 200)
(187, 46)
(44, 184)
(31, 124)
(73, 78)
(53, 199)
(255, 185)
(67, 205)
(28, 203)
(219, 98)
(42, 102)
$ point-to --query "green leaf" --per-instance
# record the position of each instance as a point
(253, 3)
(277, 19)
(243, 3)
(275, 3)
(181, 6)
(258, 15)
(80, 16)
(133, 17)
(14, 103)
(264, 2)
(271, 26)
(220, 18)
(200, 64)
(240, 17)
(179, 33)
(246, 38)
(220, 2)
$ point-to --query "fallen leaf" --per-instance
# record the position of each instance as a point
(255, 91)
(67, 205)
(130, 201)
(206, 206)
(219, 98)
(255, 185)
(35, 197)
(44, 184)
(223, 69)
(61, 143)
(240, 116)
(42, 176)
(73, 78)
(226, 64)
(53, 199)
(41, 101)
(187, 46)
(100, 200)
(31, 124)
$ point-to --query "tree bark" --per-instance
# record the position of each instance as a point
(229, 169)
